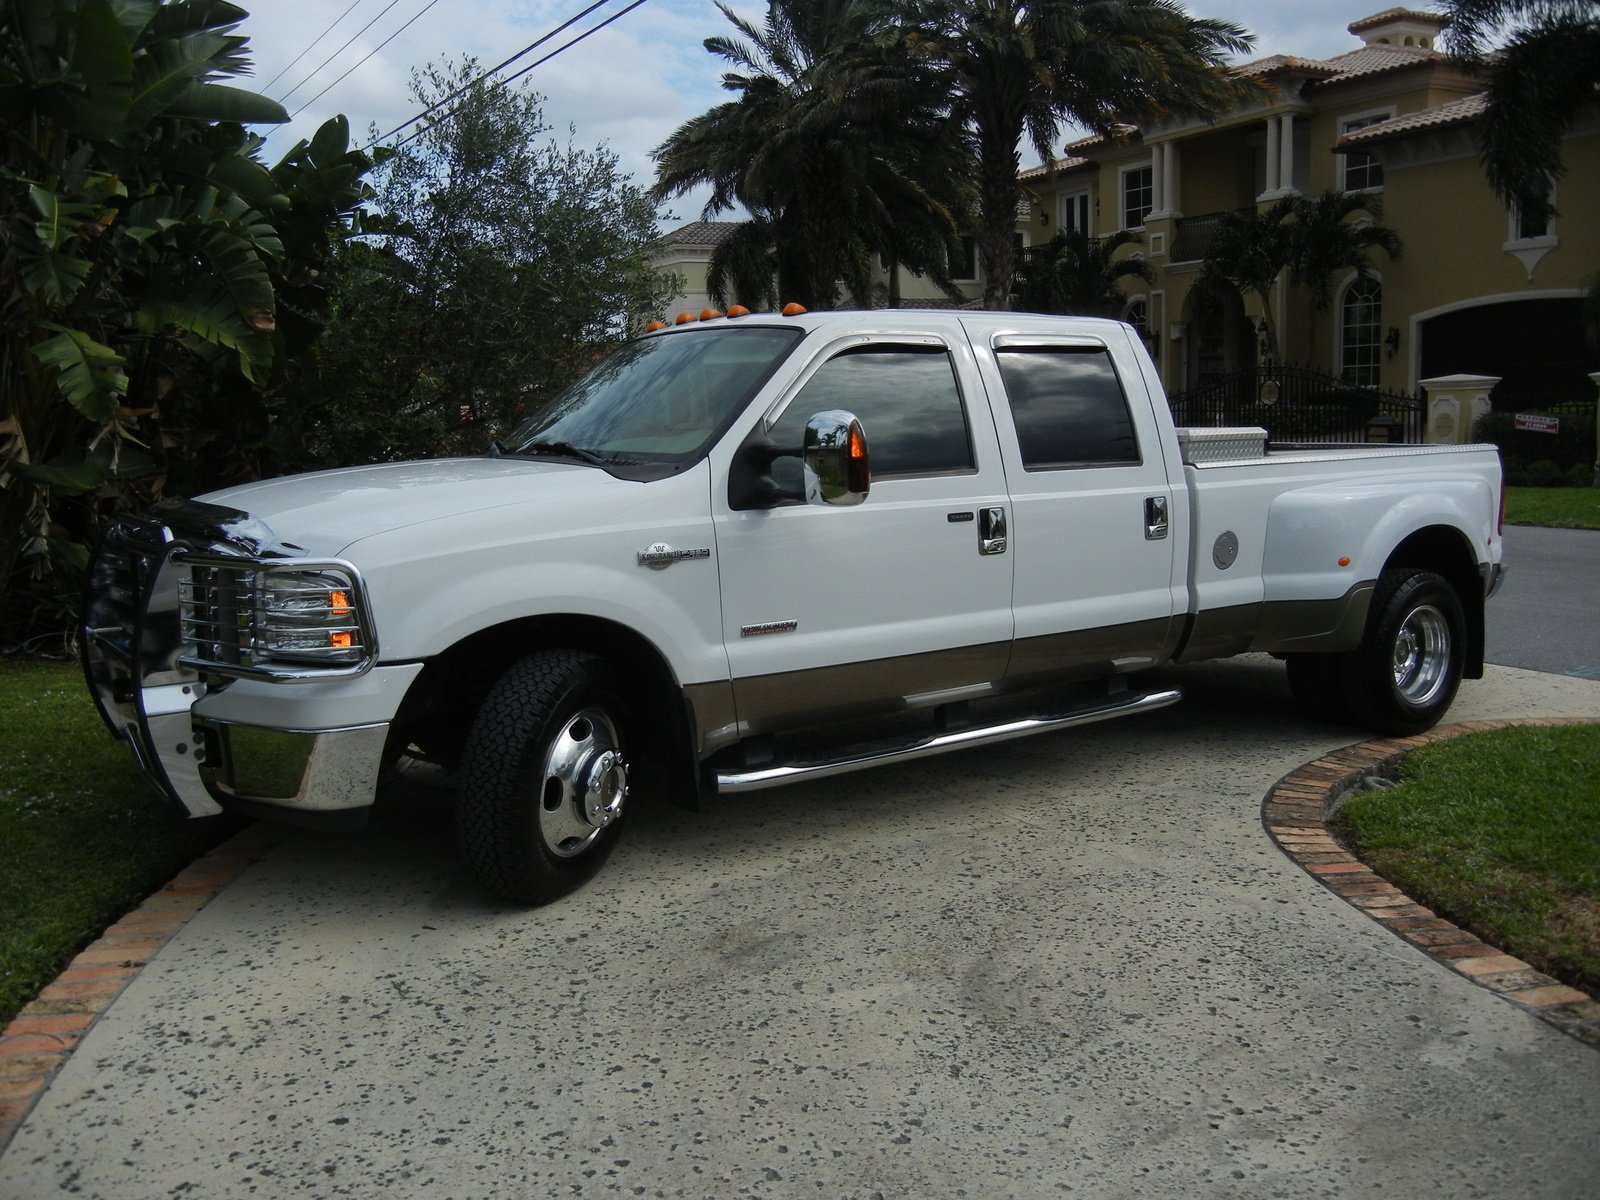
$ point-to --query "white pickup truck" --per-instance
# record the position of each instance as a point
(674, 572)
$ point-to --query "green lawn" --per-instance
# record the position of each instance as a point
(1558, 508)
(83, 838)
(1500, 833)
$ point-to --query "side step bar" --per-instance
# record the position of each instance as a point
(759, 778)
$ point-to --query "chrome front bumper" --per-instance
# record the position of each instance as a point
(239, 754)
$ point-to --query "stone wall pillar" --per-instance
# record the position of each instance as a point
(1454, 404)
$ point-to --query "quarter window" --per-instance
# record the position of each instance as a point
(908, 403)
(1068, 407)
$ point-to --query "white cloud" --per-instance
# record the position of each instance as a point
(628, 86)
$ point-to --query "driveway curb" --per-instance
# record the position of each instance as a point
(1295, 812)
(39, 1039)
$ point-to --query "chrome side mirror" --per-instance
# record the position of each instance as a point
(835, 457)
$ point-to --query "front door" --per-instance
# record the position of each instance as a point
(834, 611)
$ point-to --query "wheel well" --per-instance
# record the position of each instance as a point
(444, 699)
(1447, 552)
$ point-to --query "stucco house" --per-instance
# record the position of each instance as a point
(1475, 290)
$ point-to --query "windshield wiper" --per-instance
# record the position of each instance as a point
(562, 450)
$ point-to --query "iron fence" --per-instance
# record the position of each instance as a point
(1300, 405)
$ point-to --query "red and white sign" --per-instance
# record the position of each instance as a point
(1538, 422)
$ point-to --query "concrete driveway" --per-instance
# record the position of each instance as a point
(1074, 965)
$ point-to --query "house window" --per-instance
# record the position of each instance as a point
(1074, 215)
(1138, 315)
(1361, 172)
(1361, 332)
(1526, 228)
(964, 260)
(1138, 196)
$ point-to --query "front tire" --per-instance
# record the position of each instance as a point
(544, 779)
(1403, 677)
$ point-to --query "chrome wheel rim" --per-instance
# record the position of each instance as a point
(584, 784)
(1422, 655)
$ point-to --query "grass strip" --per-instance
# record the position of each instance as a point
(1555, 508)
(1500, 833)
(83, 837)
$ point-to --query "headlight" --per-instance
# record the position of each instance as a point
(286, 621)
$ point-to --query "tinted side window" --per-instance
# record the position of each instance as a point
(908, 403)
(1068, 407)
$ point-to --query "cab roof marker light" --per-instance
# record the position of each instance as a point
(709, 314)
(655, 325)
(737, 310)
(684, 318)
(792, 309)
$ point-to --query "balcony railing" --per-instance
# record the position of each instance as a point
(1193, 237)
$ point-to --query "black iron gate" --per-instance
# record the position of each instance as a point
(1299, 405)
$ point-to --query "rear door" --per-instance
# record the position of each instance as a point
(1092, 510)
(830, 611)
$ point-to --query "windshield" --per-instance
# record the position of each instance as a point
(658, 399)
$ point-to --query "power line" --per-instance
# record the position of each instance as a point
(494, 70)
(561, 49)
(363, 59)
(311, 47)
(337, 52)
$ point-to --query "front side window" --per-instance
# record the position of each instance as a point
(907, 401)
(1138, 196)
(1068, 407)
(1361, 332)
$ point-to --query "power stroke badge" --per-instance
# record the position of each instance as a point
(658, 556)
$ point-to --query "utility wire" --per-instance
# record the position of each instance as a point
(337, 52)
(495, 70)
(561, 49)
(310, 48)
(363, 59)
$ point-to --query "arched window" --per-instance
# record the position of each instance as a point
(1138, 315)
(1361, 332)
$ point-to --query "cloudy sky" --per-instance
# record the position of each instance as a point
(627, 86)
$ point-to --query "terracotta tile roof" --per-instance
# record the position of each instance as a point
(700, 233)
(1370, 60)
(1457, 112)
(1285, 62)
(1059, 164)
(1398, 14)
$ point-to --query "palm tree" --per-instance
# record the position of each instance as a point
(1026, 68)
(1076, 273)
(1308, 239)
(838, 149)
(1539, 82)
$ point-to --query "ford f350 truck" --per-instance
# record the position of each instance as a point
(719, 556)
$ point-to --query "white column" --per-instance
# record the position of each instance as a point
(1271, 182)
(1453, 403)
(1286, 155)
(1171, 201)
(1158, 180)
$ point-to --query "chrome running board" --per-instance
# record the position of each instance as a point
(757, 778)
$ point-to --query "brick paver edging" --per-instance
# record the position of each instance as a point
(1294, 812)
(38, 1041)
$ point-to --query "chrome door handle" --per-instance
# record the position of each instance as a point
(1156, 521)
(992, 531)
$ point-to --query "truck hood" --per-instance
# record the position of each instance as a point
(326, 512)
